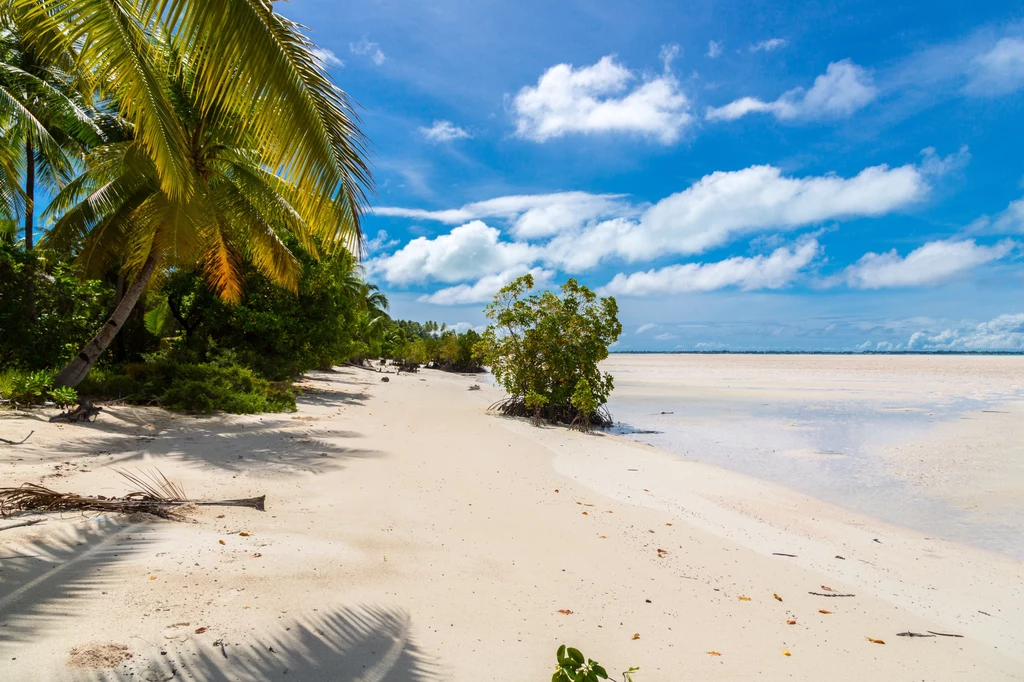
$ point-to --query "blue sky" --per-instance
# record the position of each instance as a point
(740, 175)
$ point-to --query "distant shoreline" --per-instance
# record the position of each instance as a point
(816, 352)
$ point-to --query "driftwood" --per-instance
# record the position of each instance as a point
(16, 442)
(85, 411)
(23, 523)
(156, 496)
(832, 594)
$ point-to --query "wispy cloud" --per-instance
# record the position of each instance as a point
(1008, 221)
(366, 48)
(841, 90)
(379, 243)
(768, 45)
(327, 58)
(714, 49)
(759, 272)
(999, 70)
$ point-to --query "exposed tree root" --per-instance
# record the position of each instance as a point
(515, 406)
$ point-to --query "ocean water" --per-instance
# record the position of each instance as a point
(820, 438)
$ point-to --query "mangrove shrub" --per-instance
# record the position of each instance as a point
(544, 350)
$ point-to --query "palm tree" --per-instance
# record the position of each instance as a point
(236, 133)
(243, 56)
(44, 127)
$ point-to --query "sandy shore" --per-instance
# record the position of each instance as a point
(409, 536)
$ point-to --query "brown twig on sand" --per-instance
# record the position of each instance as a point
(834, 594)
(18, 442)
(156, 496)
(31, 522)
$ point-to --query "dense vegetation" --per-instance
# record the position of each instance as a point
(544, 350)
(205, 180)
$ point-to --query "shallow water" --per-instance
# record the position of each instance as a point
(816, 442)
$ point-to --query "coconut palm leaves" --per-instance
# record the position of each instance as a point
(243, 56)
(44, 127)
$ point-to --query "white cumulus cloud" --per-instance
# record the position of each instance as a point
(599, 99)
(485, 288)
(841, 90)
(1005, 332)
(468, 252)
(728, 204)
(714, 49)
(575, 231)
(366, 48)
(758, 272)
(935, 262)
(444, 131)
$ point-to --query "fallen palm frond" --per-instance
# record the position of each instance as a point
(157, 495)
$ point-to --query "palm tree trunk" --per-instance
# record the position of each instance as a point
(30, 191)
(80, 365)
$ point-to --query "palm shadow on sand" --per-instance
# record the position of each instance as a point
(45, 581)
(362, 644)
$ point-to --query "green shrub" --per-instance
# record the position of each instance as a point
(64, 396)
(551, 345)
(205, 387)
(23, 387)
(46, 312)
(277, 333)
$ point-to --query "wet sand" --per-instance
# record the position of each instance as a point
(934, 443)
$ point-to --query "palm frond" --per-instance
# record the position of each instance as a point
(114, 44)
(259, 63)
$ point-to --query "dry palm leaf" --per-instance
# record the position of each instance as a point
(155, 495)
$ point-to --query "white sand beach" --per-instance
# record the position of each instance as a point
(410, 536)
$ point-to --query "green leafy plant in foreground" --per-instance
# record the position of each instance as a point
(64, 396)
(573, 666)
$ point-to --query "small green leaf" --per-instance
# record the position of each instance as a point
(561, 653)
(600, 672)
(575, 655)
